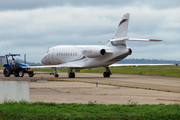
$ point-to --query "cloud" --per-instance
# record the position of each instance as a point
(31, 28)
(34, 4)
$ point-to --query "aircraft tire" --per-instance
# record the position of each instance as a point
(7, 72)
(71, 75)
(56, 75)
(104, 74)
(108, 74)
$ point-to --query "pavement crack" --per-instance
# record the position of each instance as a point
(57, 90)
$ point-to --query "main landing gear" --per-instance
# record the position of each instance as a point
(107, 73)
(71, 74)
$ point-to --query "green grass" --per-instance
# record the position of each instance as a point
(52, 111)
(170, 71)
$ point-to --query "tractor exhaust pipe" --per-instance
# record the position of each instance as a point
(24, 58)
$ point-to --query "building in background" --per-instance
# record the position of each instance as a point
(2, 60)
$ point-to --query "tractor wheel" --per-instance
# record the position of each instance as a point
(31, 74)
(21, 73)
(7, 72)
(16, 74)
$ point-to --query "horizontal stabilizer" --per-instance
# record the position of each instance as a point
(133, 39)
(136, 39)
(119, 39)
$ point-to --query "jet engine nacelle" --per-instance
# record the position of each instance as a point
(130, 51)
(93, 52)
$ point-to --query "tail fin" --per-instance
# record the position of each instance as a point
(122, 27)
(120, 36)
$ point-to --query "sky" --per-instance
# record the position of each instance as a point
(31, 27)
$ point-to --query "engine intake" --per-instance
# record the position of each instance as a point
(103, 52)
(130, 51)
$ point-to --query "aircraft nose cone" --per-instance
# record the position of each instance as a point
(43, 61)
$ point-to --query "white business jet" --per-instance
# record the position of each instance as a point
(91, 56)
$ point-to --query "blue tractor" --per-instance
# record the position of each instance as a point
(17, 68)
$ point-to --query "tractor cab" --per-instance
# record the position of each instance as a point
(16, 68)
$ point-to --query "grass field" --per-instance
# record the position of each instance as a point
(51, 111)
(170, 71)
(167, 70)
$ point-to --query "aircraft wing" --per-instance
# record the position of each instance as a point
(64, 65)
(118, 65)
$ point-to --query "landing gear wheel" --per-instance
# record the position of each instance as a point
(71, 75)
(31, 74)
(21, 73)
(16, 74)
(106, 74)
(56, 75)
(7, 72)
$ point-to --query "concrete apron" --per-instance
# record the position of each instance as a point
(14, 90)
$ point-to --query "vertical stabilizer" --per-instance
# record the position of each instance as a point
(122, 27)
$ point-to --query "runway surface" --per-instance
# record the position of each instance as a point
(134, 81)
(139, 89)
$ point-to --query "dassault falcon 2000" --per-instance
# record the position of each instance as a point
(91, 56)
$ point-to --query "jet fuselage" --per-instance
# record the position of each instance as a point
(86, 56)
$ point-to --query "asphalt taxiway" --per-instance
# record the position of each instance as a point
(118, 89)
